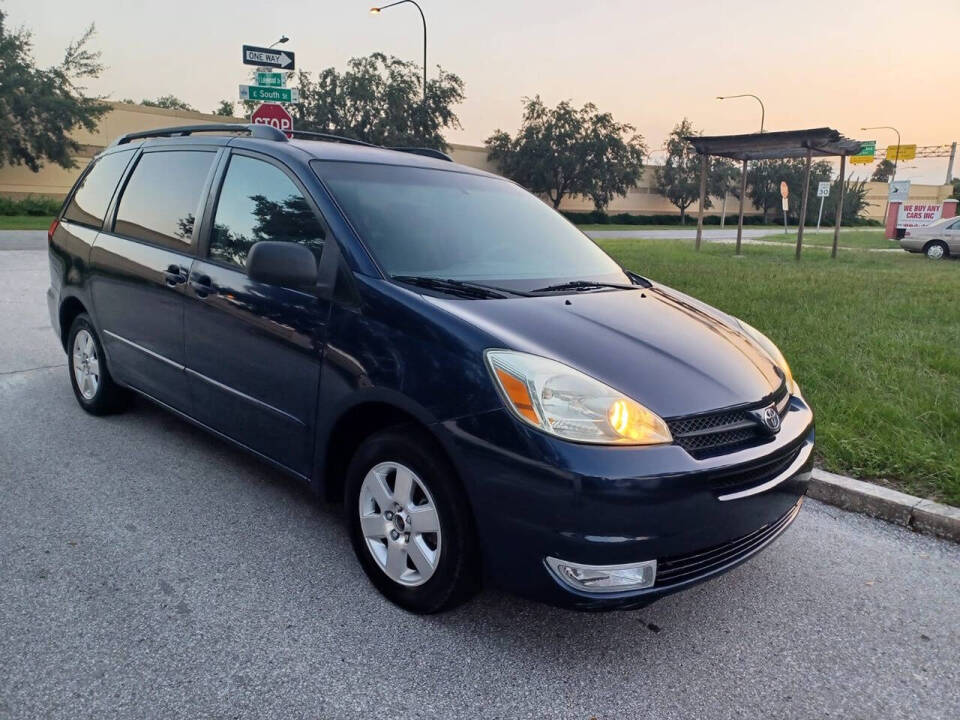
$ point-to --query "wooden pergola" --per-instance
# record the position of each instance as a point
(819, 142)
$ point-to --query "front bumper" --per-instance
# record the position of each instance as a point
(536, 497)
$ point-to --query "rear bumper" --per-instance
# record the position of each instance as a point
(537, 497)
(913, 244)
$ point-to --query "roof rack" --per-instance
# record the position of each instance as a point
(268, 132)
(309, 134)
(425, 151)
(264, 132)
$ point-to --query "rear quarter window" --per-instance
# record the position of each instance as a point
(161, 199)
(92, 196)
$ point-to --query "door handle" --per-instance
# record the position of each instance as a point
(175, 275)
(201, 285)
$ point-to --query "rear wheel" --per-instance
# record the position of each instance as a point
(937, 250)
(93, 387)
(410, 522)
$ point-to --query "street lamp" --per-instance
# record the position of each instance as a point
(896, 157)
(743, 170)
(377, 10)
(763, 112)
(281, 41)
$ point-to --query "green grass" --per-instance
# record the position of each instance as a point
(873, 340)
(691, 225)
(848, 238)
(24, 222)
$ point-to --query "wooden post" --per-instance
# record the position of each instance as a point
(843, 186)
(803, 203)
(743, 192)
(703, 198)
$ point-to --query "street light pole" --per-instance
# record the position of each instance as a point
(896, 157)
(763, 111)
(281, 41)
(377, 10)
(743, 169)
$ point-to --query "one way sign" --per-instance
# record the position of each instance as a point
(265, 57)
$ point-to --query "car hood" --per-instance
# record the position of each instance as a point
(664, 349)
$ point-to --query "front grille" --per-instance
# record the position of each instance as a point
(723, 431)
(754, 473)
(682, 568)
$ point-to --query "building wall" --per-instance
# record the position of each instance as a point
(54, 181)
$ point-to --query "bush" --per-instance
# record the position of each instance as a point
(30, 205)
(596, 218)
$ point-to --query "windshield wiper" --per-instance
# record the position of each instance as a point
(579, 285)
(458, 287)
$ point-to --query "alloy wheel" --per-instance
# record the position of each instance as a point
(86, 364)
(399, 523)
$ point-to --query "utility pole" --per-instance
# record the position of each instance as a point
(953, 155)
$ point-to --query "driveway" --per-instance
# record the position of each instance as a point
(149, 570)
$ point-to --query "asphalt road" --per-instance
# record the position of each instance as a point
(147, 570)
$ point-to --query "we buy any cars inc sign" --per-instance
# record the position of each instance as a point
(916, 215)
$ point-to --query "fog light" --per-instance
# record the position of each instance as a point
(605, 578)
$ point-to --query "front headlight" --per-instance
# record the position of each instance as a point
(571, 405)
(766, 344)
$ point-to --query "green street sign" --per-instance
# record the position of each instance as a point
(868, 148)
(269, 94)
(271, 79)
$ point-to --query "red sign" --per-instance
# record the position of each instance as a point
(273, 114)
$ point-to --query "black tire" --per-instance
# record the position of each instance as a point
(108, 397)
(457, 574)
(936, 250)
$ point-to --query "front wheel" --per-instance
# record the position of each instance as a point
(92, 384)
(936, 250)
(410, 522)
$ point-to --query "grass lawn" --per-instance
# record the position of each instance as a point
(691, 225)
(24, 222)
(872, 338)
(848, 238)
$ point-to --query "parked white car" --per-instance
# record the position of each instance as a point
(937, 240)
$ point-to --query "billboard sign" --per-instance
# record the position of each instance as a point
(916, 215)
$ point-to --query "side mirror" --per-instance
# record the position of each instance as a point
(282, 263)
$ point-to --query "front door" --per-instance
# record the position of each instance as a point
(253, 349)
(139, 271)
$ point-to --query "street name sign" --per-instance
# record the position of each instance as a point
(274, 115)
(269, 94)
(271, 79)
(823, 189)
(265, 57)
(868, 149)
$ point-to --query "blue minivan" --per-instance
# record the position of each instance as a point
(488, 393)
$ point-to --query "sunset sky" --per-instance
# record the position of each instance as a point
(842, 63)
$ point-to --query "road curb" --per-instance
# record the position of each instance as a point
(926, 516)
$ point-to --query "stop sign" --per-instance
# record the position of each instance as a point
(273, 114)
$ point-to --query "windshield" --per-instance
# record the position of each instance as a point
(452, 225)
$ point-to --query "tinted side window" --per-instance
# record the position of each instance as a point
(160, 202)
(259, 202)
(89, 203)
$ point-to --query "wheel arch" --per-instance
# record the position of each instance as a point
(70, 307)
(366, 415)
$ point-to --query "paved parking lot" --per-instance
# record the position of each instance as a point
(148, 570)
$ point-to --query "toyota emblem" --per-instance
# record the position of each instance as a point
(771, 419)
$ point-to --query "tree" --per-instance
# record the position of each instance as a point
(678, 179)
(565, 151)
(224, 109)
(41, 107)
(168, 102)
(379, 100)
(883, 171)
(854, 202)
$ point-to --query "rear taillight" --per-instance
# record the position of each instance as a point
(906, 233)
(52, 230)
